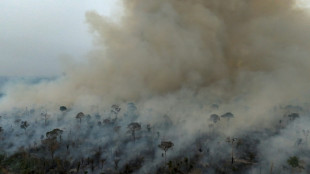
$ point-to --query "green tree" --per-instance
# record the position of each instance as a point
(294, 162)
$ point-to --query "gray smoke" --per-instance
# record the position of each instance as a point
(180, 57)
(232, 47)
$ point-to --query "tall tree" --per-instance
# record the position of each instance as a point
(228, 116)
(214, 118)
(132, 128)
(232, 141)
(55, 133)
(79, 116)
(306, 133)
(63, 108)
(51, 144)
(115, 109)
(165, 146)
(45, 117)
(24, 125)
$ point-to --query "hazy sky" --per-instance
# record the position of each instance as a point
(35, 34)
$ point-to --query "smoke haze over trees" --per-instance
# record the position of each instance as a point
(192, 73)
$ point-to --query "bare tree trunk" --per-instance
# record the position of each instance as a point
(292, 170)
(232, 154)
(165, 158)
(134, 136)
(271, 167)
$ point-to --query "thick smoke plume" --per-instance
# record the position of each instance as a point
(230, 47)
(180, 57)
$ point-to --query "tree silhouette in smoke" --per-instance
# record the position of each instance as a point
(228, 116)
(63, 108)
(24, 125)
(79, 116)
(55, 133)
(132, 128)
(45, 117)
(51, 142)
(165, 146)
(293, 116)
(232, 141)
(115, 109)
(214, 118)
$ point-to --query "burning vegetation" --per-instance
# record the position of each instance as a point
(104, 143)
(175, 87)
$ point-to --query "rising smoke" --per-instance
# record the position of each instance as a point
(160, 47)
(178, 57)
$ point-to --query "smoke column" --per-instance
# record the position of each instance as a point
(229, 47)
(179, 57)
(248, 56)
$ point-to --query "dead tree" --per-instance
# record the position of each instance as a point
(232, 141)
(306, 134)
(116, 162)
(1, 131)
(45, 117)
